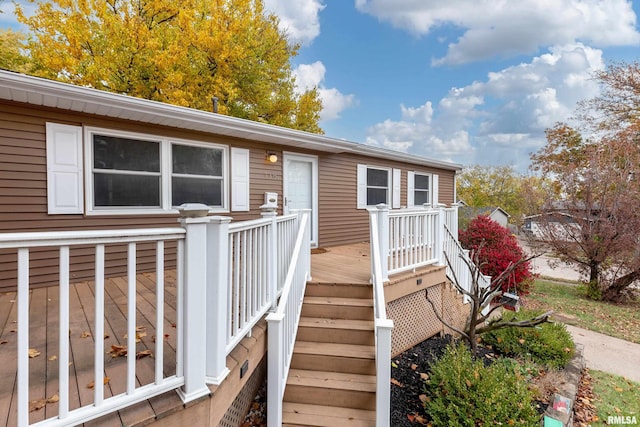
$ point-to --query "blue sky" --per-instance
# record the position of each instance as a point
(471, 81)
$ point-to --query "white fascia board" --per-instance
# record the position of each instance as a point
(42, 92)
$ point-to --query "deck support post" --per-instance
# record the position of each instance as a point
(217, 266)
(307, 254)
(453, 227)
(439, 241)
(194, 302)
(383, 238)
(269, 211)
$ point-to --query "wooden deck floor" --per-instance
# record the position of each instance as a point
(344, 264)
(43, 337)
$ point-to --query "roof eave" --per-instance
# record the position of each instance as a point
(48, 93)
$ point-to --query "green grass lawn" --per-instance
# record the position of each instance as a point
(615, 396)
(571, 307)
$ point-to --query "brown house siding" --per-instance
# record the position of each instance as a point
(23, 192)
(340, 222)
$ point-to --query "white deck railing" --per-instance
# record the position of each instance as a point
(228, 276)
(64, 241)
(383, 327)
(458, 264)
(409, 238)
(283, 323)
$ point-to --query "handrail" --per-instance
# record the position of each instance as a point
(383, 328)
(283, 323)
(87, 237)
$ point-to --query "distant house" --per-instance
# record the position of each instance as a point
(467, 213)
(559, 224)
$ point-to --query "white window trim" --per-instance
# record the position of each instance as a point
(362, 186)
(165, 173)
(411, 187)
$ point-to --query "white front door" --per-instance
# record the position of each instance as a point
(300, 187)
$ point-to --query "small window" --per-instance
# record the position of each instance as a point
(377, 186)
(421, 189)
(126, 172)
(196, 175)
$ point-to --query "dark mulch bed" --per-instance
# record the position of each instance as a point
(407, 384)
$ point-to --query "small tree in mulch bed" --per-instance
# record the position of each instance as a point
(481, 297)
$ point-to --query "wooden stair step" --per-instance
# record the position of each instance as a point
(329, 300)
(299, 414)
(333, 349)
(349, 358)
(338, 308)
(343, 290)
(331, 389)
(332, 380)
(346, 331)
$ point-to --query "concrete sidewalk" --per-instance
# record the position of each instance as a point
(608, 354)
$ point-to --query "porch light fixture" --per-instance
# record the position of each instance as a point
(272, 157)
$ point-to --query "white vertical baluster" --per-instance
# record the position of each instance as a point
(159, 311)
(131, 319)
(179, 310)
(23, 337)
(63, 407)
(98, 330)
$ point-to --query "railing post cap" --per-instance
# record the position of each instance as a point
(382, 206)
(427, 205)
(193, 210)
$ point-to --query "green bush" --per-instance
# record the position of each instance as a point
(548, 344)
(464, 392)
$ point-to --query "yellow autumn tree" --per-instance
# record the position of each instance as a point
(181, 53)
(12, 56)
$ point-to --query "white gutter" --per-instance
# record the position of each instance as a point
(48, 93)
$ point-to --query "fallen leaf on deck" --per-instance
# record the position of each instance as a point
(140, 328)
(36, 405)
(4, 342)
(106, 336)
(143, 353)
(92, 384)
(33, 353)
(52, 358)
(53, 399)
(118, 350)
(85, 334)
(12, 300)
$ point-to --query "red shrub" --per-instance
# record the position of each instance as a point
(498, 249)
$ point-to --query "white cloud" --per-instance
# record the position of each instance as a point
(298, 18)
(492, 28)
(507, 113)
(334, 102)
